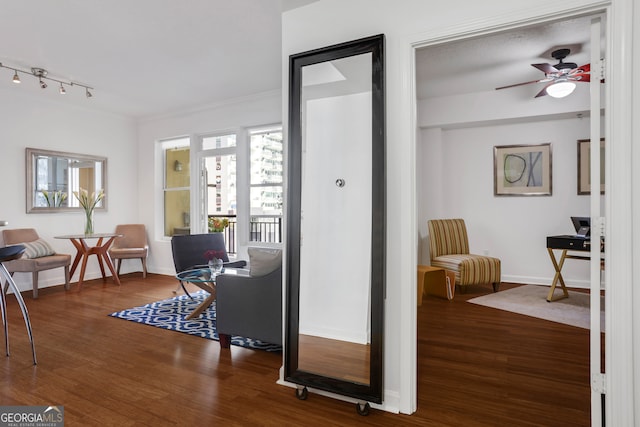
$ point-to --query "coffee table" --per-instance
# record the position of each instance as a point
(205, 279)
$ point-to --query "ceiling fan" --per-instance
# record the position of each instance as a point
(560, 78)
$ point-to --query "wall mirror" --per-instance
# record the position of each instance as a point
(336, 220)
(53, 176)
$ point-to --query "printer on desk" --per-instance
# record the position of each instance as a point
(581, 241)
(582, 224)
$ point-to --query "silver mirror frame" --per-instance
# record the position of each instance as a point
(32, 153)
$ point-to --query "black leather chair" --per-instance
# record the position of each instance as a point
(189, 252)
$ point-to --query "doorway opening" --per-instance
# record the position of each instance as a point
(494, 357)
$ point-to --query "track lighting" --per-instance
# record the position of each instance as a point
(42, 75)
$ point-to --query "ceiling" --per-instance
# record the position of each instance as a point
(145, 57)
(484, 63)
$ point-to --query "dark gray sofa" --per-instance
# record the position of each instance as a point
(250, 307)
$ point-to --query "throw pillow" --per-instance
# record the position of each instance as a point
(37, 249)
(263, 261)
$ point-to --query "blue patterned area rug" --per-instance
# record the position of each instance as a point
(171, 314)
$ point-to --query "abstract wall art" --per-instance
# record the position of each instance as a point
(522, 170)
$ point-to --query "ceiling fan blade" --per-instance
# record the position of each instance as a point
(584, 78)
(546, 68)
(520, 84)
(543, 92)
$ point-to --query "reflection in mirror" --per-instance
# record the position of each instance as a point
(53, 176)
(335, 237)
(336, 145)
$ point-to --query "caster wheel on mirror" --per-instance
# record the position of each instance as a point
(363, 409)
(302, 393)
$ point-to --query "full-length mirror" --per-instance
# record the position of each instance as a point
(336, 219)
(53, 176)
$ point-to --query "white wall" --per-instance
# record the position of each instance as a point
(233, 116)
(333, 21)
(455, 176)
(513, 229)
(334, 295)
(29, 120)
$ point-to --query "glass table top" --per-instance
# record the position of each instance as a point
(203, 274)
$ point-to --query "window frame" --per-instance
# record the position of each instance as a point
(164, 146)
(199, 198)
(250, 132)
(242, 151)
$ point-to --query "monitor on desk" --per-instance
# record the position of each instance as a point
(582, 224)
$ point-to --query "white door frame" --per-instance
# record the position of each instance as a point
(619, 129)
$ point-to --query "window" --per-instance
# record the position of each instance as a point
(219, 156)
(266, 186)
(177, 194)
(222, 141)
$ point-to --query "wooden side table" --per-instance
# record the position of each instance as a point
(434, 273)
(433, 280)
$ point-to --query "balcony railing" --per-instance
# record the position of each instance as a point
(265, 228)
(262, 228)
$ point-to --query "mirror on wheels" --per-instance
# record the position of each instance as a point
(336, 216)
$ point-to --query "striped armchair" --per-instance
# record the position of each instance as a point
(449, 249)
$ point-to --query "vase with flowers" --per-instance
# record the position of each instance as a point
(54, 198)
(217, 225)
(88, 203)
(214, 260)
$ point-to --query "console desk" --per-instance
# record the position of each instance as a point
(566, 243)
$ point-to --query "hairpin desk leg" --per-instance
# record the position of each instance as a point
(3, 303)
(23, 308)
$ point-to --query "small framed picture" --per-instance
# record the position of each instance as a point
(522, 170)
(584, 166)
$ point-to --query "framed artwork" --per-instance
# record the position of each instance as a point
(584, 166)
(522, 170)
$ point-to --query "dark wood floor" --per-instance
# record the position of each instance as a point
(477, 367)
(339, 359)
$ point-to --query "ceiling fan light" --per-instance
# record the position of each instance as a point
(561, 89)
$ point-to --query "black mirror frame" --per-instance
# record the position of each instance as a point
(373, 392)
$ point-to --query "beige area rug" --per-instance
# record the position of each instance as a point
(530, 300)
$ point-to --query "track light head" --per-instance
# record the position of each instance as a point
(89, 94)
(16, 77)
(62, 90)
